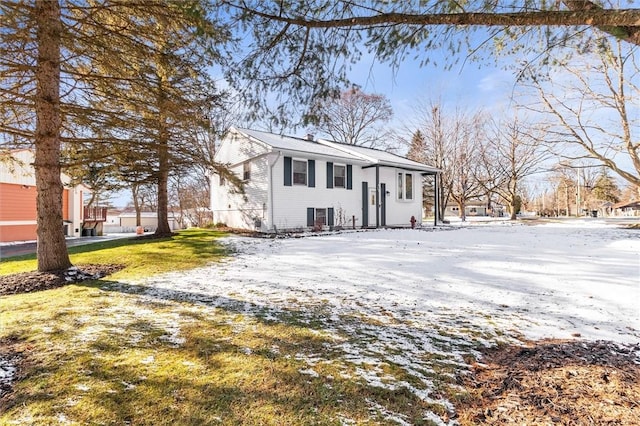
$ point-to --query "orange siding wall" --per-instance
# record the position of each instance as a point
(65, 204)
(17, 202)
(17, 233)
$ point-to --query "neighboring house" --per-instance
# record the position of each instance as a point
(18, 199)
(125, 221)
(294, 183)
(627, 208)
(475, 208)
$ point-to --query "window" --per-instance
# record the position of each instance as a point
(299, 172)
(246, 171)
(405, 186)
(339, 176)
(321, 216)
(408, 186)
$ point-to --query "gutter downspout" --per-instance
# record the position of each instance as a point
(272, 159)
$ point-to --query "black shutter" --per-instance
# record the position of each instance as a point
(287, 171)
(365, 204)
(349, 176)
(329, 174)
(330, 216)
(311, 170)
(310, 212)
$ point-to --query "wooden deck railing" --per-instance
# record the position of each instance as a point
(95, 214)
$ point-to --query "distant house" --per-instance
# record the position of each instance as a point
(627, 208)
(301, 183)
(125, 221)
(475, 208)
(18, 199)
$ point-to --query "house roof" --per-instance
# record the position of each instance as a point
(625, 204)
(297, 145)
(322, 147)
(384, 158)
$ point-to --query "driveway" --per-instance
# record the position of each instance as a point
(28, 247)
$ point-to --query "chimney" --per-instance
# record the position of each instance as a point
(309, 137)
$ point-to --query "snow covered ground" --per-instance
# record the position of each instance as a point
(421, 299)
(555, 280)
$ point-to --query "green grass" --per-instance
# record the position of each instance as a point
(141, 257)
(92, 357)
(101, 352)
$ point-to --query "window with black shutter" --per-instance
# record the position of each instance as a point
(329, 174)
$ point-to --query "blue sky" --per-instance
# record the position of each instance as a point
(465, 85)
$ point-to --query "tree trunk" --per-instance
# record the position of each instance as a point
(163, 145)
(163, 198)
(512, 207)
(463, 213)
(136, 203)
(51, 247)
(163, 228)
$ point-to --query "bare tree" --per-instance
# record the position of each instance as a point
(305, 49)
(593, 104)
(467, 137)
(450, 141)
(354, 117)
(510, 153)
(192, 195)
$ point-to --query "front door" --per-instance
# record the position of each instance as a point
(372, 206)
(383, 204)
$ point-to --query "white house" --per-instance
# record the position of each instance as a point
(476, 208)
(125, 221)
(295, 183)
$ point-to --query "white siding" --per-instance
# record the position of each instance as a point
(291, 202)
(399, 211)
(241, 210)
(18, 169)
(269, 205)
(236, 148)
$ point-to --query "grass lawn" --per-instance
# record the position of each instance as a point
(141, 257)
(105, 352)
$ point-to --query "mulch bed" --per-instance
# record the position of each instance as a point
(27, 282)
(554, 382)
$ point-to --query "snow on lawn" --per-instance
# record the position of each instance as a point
(421, 299)
(552, 280)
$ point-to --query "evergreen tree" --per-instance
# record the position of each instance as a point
(606, 189)
(59, 59)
